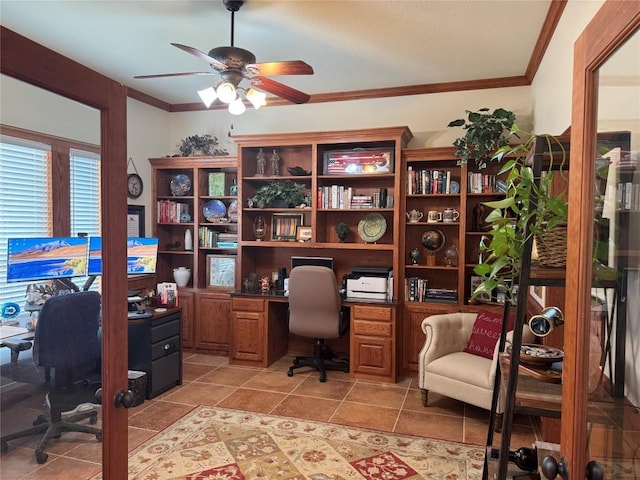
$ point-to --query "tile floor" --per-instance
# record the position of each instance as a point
(210, 380)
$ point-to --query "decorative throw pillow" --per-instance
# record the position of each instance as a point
(486, 333)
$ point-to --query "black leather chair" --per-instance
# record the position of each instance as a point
(66, 340)
(315, 311)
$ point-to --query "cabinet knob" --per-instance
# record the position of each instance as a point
(167, 346)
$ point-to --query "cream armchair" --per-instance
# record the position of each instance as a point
(444, 368)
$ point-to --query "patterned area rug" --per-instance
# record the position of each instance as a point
(214, 443)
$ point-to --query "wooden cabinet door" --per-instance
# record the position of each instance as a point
(212, 322)
(246, 343)
(185, 299)
(412, 335)
(372, 350)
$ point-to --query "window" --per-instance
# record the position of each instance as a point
(25, 208)
(30, 206)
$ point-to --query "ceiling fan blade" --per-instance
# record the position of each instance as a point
(279, 89)
(201, 55)
(291, 67)
(183, 74)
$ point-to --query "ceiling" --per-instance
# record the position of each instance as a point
(353, 45)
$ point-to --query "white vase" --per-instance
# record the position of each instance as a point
(181, 275)
(188, 240)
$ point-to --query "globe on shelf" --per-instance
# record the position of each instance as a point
(451, 256)
(433, 241)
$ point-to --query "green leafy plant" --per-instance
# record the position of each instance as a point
(292, 193)
(530, 208)
(485, 133)
(206, 144)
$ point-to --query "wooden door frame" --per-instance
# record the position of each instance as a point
(35, 64)
(610, 27)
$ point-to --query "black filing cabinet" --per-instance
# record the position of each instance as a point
(154, 348)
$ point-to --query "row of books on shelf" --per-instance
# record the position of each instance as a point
(211, 238)
(170, 211)
(428, 181)
(417, 289)
(628, 196)
(485, 183)
(341, 197)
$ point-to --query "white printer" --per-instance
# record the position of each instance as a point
(370, 283)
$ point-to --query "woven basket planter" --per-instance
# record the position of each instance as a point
(552, 247)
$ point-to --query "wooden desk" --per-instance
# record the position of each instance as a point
(260, 333)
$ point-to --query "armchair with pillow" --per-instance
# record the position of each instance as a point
(460, 355)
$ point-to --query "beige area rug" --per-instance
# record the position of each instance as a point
(215, 443)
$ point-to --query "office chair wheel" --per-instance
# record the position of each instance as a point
(4, 446)
(41, 456)
(93, 419)
(39, 421)
(99, 436)
(290, 372)
(323, 378)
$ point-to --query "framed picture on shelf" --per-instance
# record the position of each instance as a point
(284, 226)
(303, 233)
(539, 294)
(361, 161)
(475, 283)
(221, 270)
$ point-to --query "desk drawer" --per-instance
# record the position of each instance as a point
(372, 329)
(165, 330)
(366, 312)
(165, 347)
(240, 304)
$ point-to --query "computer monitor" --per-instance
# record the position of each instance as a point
(30, 259)
(95, 256)
(142, 255)
(298, 261)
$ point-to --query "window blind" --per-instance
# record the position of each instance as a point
(25, 206)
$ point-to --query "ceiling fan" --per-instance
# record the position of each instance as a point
(234, 64)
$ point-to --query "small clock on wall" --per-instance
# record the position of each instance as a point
(134, 185)
(134, 182)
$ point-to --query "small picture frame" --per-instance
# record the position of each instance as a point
(284, 226)
(539, 294)
(475, 283)
(135, 220)
(304, 233)
(221, 271)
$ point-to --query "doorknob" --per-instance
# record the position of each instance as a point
(123, 398)
(551, 468)
(594, 471)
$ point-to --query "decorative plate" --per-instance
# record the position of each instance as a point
(214, 210)
(454, 187)
(540, 354)
(233, 211)
(180, 185)
(372, 227)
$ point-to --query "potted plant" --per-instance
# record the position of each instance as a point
(201, 145)
(279, 194)
(530, 208)
(342, 230)
(485, 133)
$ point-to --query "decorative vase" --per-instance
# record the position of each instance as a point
(259, 227)
(188, 240)
(182, 275)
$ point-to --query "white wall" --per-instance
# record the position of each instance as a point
(426, 115)
(552, 86)
(31, 108)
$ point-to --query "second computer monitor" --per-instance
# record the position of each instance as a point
(298, 261)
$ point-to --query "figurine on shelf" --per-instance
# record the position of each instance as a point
(275, 164)
(261, 163)
(265, 284)
(415, 256)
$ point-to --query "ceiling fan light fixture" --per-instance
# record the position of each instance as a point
(237, 107)
(226, 92)
(257, 98)
(208, 96)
